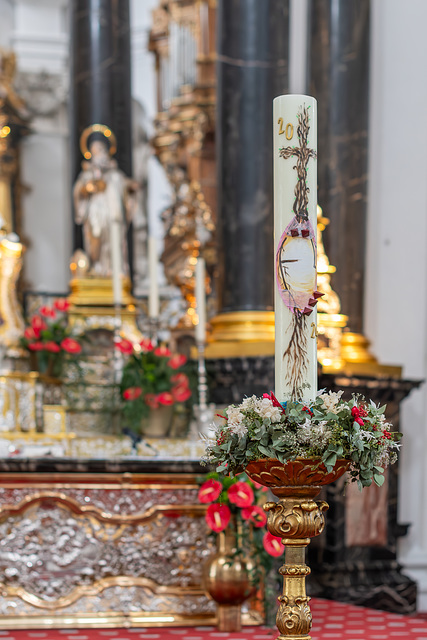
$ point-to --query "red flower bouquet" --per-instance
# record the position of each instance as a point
(48, 339)
(152, 377)
(236, 503)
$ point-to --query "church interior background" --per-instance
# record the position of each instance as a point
(136, 108)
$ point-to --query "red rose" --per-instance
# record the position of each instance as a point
(165, 398)
(125, 346)
(180, 379)
(360, 421)
(146, 345)
(162, 351)
(241, 494)
(38, 325)
(132, 393)
(273, 545)
(36, 346)
(255, 514)
(30, 334)
(177, 361)
(61, 304)
(181, 393)
(71, 346)
(47, 312)
(52, 347)
(210, 491)
(355, 412)
(151, 400)
(217, 517)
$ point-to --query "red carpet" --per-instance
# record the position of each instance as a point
(331, 621)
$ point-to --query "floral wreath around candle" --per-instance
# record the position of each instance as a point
(329, 428)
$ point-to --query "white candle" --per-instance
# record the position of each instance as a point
(295, 220)
(116, 261)
(153, 273)
(201, 300)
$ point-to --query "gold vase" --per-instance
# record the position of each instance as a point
(158, 422)
(296, 518)
(227, 580)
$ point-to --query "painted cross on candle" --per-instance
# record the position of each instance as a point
(295, 258)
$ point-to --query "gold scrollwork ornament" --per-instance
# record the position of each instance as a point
(291, 518)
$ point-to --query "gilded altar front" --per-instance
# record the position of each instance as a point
(101, 549)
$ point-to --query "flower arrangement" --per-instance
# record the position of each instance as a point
(48, 338)
(152, 377)
(329, 428)
(236, 504)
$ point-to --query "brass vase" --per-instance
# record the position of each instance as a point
(227, 580)
(296, 518)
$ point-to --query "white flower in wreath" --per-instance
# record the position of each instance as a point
(248, 403)
(331, 400)
(265, 408)
(234, 417)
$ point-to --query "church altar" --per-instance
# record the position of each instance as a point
(105, 543)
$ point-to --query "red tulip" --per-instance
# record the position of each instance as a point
(36, 346)
(210, 491)
(163, 352)
(151, 400)
(61, 304)
(47, 312)
(71, 346)
(125, 346)
(241, 494)
(38, 325)
(273, 545)
(165, 398)
(217, 517)
(30, 334)
(52, 347)
(177, 361)
(181, 393)
(255, 514)
(146, 345)
(132, 393)
(180, 379)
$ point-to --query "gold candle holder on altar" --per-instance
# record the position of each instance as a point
(296, 518)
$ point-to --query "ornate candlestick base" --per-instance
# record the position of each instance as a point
(296, 518)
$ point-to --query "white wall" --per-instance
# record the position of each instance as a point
(396, 280)
(40, 39)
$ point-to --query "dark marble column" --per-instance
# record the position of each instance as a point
(100, 77)
(339, 79)
(252, 70)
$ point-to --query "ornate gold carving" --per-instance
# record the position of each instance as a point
(296, 519)
(308, 475)
(294, 617)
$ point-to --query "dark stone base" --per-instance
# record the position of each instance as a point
(381, 586)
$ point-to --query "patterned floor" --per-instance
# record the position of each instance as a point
(331, 621)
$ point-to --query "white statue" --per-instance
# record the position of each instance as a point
(103, 196)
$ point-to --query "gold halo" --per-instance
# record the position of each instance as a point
(97, 128)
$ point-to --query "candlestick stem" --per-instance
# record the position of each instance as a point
(153, 324)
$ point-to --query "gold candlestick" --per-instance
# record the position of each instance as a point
(296, 518)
